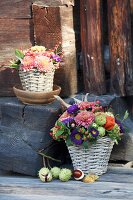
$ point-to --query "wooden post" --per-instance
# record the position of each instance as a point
(119, 24)
(53, 24)
(92, 47)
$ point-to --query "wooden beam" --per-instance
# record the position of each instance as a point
(92, 47)
(51, 25)
(119, 25)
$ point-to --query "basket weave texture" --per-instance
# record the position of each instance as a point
(36, 81)
(93, 160)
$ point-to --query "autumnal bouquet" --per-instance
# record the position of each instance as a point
(37, 66)
(87, 122)
(37, 58)
(89, 131)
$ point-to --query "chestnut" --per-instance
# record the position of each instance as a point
(78, 174)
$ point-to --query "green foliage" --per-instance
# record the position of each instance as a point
(69, 141)
(15, 64)
(85, 144)
(59, 132)
(19, 54)
(126, 115)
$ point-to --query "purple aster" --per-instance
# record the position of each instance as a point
(55, 57)
(119, 123)
(72, 109)
(66, 121)
(94, 132)
(76, 137)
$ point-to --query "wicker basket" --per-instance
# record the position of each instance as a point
(36, 81)
(93, 160)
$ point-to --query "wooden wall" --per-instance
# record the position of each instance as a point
(17, 31)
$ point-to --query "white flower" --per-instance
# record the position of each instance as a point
(109, 114)
(94, 125)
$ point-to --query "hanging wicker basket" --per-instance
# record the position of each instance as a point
(36, 81)
(93, 160)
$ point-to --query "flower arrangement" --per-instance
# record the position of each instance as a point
(87, 122)
(37, 58)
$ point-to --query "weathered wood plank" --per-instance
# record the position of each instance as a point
(14, 33)
(22, 9)
(49, 31)
(15, 9)
(24, 130)
(92, 47)
(31, 188)
(54, 2)
(7, 81)
(119, 23)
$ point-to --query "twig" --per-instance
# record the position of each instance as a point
(49, 157)
(44, 162)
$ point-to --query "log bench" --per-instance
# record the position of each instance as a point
(24, 130)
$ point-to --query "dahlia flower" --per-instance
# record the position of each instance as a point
(86, 104)
(84, 118)
(37, 57)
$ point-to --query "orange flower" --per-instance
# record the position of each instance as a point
(110, 122)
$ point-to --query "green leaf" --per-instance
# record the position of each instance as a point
(126, 115)
(69, 141)
(61, 124)
(116, 141)
(85, 144)
(19, 54)
(59, 132)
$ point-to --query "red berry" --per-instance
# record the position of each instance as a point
(88, 136)
(54, 138)
(51, 133)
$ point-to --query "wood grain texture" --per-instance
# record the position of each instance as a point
(14, 33)
(50, 30)
(15, 9)
(117, 187)
(24, 130)
(22, 8)
(119, 24)
(54, 2)
(92, 47)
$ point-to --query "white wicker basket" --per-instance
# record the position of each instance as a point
(93, 160)
(36, 81)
